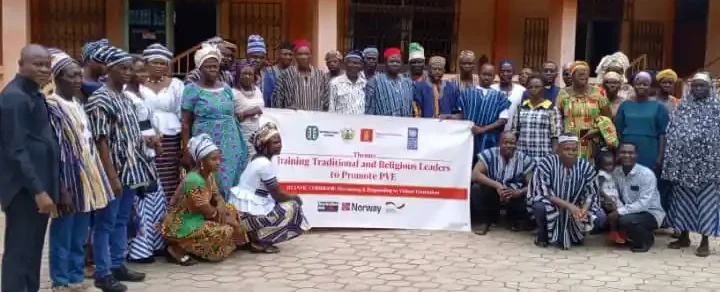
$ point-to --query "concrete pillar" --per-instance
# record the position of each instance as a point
(561, 35)
(115, 25)
(15, 35)
(713, 37)
(501, 36)
(325, 30)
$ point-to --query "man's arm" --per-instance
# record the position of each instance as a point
(13, 136)
(647, 186)
(479, 175)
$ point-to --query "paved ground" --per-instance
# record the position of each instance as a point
(421, 261)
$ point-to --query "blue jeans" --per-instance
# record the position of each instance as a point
(67, 253)
(110, 233)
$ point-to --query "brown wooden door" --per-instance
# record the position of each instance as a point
(67, 24)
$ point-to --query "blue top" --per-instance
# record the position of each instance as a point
(641, 123)
(425, 99)
(385, 96)
(483, 107)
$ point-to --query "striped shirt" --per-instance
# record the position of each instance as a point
(112, 115)
(483, 107)
(385, 96)
(510, 172)
(299, 91)
(576, 185)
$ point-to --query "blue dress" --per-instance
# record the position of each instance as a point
(641, 123)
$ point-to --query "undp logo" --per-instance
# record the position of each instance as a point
(312, 133)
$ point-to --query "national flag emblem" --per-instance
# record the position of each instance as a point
(366, 135)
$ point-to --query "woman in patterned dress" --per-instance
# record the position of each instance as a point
(538, 123)
(208, 107)
(249, 101)
(198, 222)
(586, 112)
(692, 163)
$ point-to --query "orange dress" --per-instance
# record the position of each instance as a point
(582, 112)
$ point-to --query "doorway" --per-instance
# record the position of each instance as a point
(194, 22)
(689, 48)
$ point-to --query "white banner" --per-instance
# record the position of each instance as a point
(362, 171)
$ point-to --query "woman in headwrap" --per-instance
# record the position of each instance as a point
(270, 215)
(612, 82)
(151, 205)
(586, 112)
(618, 63)
(435, 97)
(248, 101)
(82, 178)
(667, 79)
(692, 164)
(199, 222)
(643, 122)
(162, 95)
(208, 106)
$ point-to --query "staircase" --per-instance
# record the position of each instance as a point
(184, 63)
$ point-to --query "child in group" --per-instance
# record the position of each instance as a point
(608, 191)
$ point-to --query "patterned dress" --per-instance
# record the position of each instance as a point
(347, 97)
(385, 96)
(692, 164)
(187, 227)
(576, 185)
(536, 126)
(582, 112)
(483, 107)
(214, 114)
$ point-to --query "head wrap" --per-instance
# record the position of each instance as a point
(416, 52)
(256, 44)
(334, 54)
(613, 76)
(207, 51)
(667, 74)
(112, 56)
(618, 59)
(391, 52)
(90, 49)
(568, 138)
(468, 54)
(643, 75)
(702, 76)
(200, 146)
(577, 65)
(157, 51)
(59, 60)
(437, 60)
(300, 44)
(354, 55)
(239, 65)
(370, 50)
(216, 41)
(286, 46)
(506, 62)
(261, 137)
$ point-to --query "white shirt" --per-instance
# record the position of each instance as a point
(347, 97)
(638, 191)
(251, 195)
(165, 106)
(144, 113)
(515, 96)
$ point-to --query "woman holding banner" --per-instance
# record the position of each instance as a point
(270, 215)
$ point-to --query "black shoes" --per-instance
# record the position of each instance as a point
(125, 275)
(109, 284)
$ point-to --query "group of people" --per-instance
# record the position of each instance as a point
(132, 163)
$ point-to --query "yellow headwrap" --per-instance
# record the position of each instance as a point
(667, 74)
(577, 65)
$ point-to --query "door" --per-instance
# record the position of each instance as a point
(146, 24)
(195, 22)
(690, 36)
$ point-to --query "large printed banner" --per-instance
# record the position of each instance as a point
(376, 172)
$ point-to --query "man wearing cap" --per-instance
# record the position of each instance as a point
(333, 61)
(467, 77)
(416, 60)
(271, 74)
(302, 87)
(347, 91)
(390, 93)
(256, 51)
(226, 75)
(564, 196)
(370, 58)
(93, 70)
(435, 97)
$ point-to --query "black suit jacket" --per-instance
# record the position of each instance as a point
(29, 153)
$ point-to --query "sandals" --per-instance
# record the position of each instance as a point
(267, 250)
(185, 260)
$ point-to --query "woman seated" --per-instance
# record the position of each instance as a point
(198, 222)
(270, 215)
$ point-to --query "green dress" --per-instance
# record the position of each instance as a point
(641, 123)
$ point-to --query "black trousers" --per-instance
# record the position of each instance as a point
(486, 205)
(639, 228)
(24, 239)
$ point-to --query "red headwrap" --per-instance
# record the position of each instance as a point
(301, 43)
(391, 51)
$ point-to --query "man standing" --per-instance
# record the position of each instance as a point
(416, 60)
(347, 91)
(564, 196)
(370, 57)
(566, 76)
(502, 175)
(390, 93)
(271, 74)
(333, 61)
(30, 159)
(435, 97)
(302, 87)
(513, 92)
(641, 212)
(256, 51)
(93, 70)
(467, 77)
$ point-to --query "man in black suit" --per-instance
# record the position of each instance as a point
(29, 176)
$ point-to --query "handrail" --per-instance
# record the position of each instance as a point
(639, 64)
(182, 63)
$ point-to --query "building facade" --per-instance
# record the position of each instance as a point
(660, 33)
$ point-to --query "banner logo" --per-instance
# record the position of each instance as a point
(328, 206)
(366, 135)
(392, 207)
(412, 138)
(347, 134)
(312, 133)
(361, 208)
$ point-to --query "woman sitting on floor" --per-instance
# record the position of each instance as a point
(198, 221)
(270, 215)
